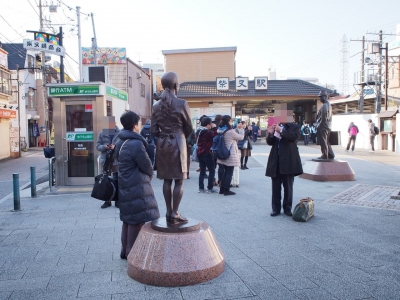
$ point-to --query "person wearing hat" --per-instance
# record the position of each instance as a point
(323, 125)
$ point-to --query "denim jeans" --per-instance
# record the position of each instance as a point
(227, 173)
(351, 138)
(306, 140)
(206, 161)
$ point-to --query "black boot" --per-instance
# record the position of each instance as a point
(245, 167)
(221, 190)
(229, 193)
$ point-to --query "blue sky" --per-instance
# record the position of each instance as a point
(297, 38)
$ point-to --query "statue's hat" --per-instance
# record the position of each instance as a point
(323, 93)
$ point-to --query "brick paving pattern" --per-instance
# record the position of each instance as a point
(376, 196)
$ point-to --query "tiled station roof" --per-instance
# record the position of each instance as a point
(276, 88)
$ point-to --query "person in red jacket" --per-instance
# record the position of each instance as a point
(204, 137)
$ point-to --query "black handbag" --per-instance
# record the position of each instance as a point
(105, 188)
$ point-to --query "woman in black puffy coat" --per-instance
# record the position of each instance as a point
(137, 203)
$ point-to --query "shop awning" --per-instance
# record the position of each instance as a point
(387, 114)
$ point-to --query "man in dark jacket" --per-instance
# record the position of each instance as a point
(283, 164)
(138, 204)
(105, 142)
(150, 139)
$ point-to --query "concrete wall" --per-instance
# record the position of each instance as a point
(201, 66)
(137, 103)
(342, 122)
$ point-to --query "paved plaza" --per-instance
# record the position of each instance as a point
(63, 246)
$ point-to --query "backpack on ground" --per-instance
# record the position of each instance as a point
(353, 130)
(376, 130)
(306, 130)
(218, 147)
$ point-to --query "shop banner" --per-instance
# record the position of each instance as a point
(8, 113)
(116, 93)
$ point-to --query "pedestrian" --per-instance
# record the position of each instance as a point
(106, 142)
(204, 137)
(255, 131)
(217, 121)
(283, 165)
(245, 146)
(138, 204)
(171, 124)
(353, 131)
(227, 165)
(150, 139)
(313, 133)
(305, 131)
(190, 141)
(371, 130)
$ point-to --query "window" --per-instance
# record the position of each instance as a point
(31, 64)
(142, 90)
(5, 79)
(130, 81)
(109, 108)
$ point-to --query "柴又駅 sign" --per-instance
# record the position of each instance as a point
(79, 137)
(74, 90)
(44, 46)
(116, 93)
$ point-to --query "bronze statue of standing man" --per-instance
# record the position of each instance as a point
(323, 125)
(171, 124)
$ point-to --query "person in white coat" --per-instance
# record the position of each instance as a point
(231, 137)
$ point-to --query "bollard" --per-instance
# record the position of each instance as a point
(17, 203)
(33, 182)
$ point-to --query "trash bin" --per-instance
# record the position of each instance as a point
(48, 152)
(334, 138)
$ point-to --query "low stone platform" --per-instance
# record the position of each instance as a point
(327, 170)
(176, 258)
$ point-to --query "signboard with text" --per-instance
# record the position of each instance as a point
(222, 83)
(242, 83)
(116, 93)
(261, 83)
(74, 90)
(79, 136)
(8, 113)
(44, 46)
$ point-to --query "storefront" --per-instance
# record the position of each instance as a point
(81, 112)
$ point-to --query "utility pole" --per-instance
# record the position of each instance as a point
(78, 14)
(386, 74)
(60, 36)
(379, 82)
(94, 42)
(361, 104)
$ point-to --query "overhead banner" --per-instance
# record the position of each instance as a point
(104, 55)
(44, 46)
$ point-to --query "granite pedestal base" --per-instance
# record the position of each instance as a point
(327, 170)
(184, 255)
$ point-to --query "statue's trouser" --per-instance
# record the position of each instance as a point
(323, 139)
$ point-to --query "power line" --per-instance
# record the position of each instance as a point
(11, 26)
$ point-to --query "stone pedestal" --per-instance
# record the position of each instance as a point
(327, 170)
(175, 255)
